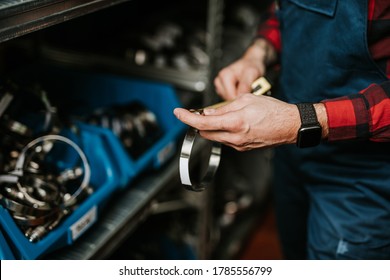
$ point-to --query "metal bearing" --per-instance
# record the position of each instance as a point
(185, 158)
(259, 87)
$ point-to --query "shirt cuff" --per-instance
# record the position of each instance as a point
(347, 118)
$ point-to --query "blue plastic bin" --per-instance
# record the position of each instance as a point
(90, 91)
(105, 179)
(5, 250)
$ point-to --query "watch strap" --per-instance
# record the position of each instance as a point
(309, 134)
(307, 113)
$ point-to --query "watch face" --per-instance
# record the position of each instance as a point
(309, 136)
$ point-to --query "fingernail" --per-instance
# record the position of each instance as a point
(176, 113)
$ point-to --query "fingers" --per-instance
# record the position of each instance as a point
(200, 122)
(225, 84)
(246, 80)
(235, 80)
(197, 121)
(224, 129)
(219, 88)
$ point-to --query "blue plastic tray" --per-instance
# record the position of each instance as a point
(106, 178)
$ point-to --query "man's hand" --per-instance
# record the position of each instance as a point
(237, 78)
(246, 123)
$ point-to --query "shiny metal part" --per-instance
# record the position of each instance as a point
(185, 158)
(70, 174)
(18, 128)
(31, 190)
(87, 170)
(35, 199)
(4, 102)
(259, 87)
(20, 209)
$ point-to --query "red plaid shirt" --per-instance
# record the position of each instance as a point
(364, 115)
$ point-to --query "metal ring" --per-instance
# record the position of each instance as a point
(18, 171)
(35, 221)
(21, 209)
(185, 158)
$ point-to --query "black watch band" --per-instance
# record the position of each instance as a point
(310, 132)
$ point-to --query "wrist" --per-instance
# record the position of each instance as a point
(322, 119)
(261, 50)
(311, 131)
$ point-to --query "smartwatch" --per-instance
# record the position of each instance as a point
(310, 132)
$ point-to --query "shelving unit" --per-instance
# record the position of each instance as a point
(146, 197)
(134, 205)
(191, 80)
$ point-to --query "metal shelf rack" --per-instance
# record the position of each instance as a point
(20, 17)
(191, 80)
(133, 205)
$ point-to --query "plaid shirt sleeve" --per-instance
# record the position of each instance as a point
(365, 115)
(269, 29)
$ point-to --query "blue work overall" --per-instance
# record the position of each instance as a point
(333, 200)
